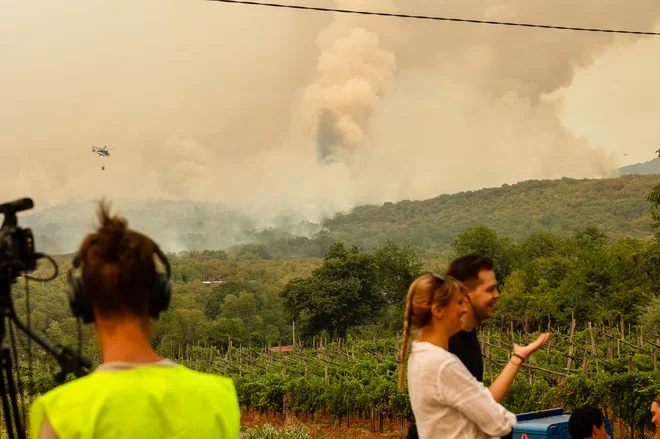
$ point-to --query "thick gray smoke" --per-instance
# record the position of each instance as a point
(292, 113)
(480, 99)
(352, 74)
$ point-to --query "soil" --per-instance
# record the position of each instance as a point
(325, 427)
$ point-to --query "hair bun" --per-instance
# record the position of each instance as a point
(111, 236)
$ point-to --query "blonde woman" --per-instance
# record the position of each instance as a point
(447, 401)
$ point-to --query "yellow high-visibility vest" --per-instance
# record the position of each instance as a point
(148, 402)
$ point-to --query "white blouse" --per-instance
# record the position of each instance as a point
(448, 402)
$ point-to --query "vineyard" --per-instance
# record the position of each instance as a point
(350, 385)
(353, 383)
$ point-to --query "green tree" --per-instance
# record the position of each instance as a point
(243, 306)
(253, 251)
(514, 300)
(216, 254)
(590, 237)
(182, 326)
(398, 267)
(539, 244)
(220, 330)
(55, 333)
(654, 198)
(340, 294)
(650, 318)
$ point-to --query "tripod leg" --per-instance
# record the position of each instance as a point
(5, 402)
(12, 394)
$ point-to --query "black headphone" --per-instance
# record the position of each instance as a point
(159, 297)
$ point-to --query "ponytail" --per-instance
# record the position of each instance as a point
(406, 335)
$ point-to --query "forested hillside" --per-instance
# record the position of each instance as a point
(617, 205)
(650, 167)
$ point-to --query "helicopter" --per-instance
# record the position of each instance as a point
(102, 152)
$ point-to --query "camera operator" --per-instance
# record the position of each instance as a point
(134, 392)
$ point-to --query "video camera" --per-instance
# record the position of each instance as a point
(16, 243)
(18, 255)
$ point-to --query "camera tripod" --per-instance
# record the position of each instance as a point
(69, 359)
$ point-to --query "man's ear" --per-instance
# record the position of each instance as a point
(595, 430)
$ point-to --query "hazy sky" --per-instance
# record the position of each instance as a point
(290, 111)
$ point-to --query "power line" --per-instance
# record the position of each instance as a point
(427, 17)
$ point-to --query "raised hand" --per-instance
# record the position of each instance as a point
(526, 351)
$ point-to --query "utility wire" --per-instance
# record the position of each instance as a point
(426, 17)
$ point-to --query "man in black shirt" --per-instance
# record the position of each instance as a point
(477, 274)
(465, 345)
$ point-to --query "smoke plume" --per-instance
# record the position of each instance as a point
(293, 113)
(353, 73)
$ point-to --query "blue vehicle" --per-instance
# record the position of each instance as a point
(547, 424)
